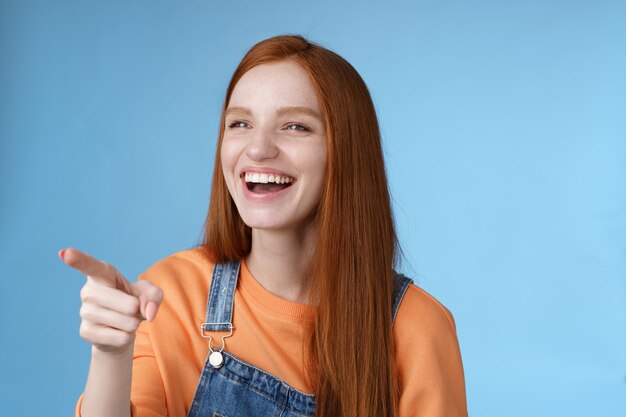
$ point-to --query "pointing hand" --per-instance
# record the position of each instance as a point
(112, 308)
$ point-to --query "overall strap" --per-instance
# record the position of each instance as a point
(219, 311)
(400, 285)
(219, 308)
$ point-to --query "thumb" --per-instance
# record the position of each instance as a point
(150, 297)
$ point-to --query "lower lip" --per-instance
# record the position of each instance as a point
(264, 197)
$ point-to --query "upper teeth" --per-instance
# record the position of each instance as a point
(265, 178)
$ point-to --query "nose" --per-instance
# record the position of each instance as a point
(261, 146)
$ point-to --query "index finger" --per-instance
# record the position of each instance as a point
(88, 265)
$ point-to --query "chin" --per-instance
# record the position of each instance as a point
(263, 223)
(268, 223)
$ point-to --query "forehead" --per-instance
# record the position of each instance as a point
(277, 84)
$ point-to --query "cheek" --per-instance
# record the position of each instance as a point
(315, 165)
(308, 157)
(228, 155)
(318, 161)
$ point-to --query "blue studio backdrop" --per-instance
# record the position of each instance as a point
(504, 127)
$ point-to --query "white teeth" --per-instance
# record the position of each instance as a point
(266, 178)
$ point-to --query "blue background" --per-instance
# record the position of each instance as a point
(504, 126)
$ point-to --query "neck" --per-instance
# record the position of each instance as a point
(279, 260)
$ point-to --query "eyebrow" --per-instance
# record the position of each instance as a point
(283, 111)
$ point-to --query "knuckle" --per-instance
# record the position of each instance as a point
(86, 313)
(158, 294)
(153, 292)
(82, 311)
(85, 331)
(85, 293)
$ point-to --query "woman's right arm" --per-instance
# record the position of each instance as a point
(112, 309)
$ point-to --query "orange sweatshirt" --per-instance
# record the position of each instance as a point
(170, 353)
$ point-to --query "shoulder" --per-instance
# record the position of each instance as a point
(428, 357)
(418, 308)
(423, 324)
(185, 279)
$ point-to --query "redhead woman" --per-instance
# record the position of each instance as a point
(290, 306)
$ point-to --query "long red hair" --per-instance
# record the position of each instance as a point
(350, 354)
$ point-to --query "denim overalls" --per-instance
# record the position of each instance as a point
(235, 388)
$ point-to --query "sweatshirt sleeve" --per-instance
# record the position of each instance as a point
(147, 392)
(430, 368)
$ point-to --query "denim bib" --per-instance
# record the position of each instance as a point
(238, 389)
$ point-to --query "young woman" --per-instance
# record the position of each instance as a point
(290, 307)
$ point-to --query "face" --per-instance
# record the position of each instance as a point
(274, 146)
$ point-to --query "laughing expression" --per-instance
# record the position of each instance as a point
(274, 147)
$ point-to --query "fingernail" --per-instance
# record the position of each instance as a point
(62, 254)
(151, 309)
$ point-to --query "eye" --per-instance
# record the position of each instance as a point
(237, 123)
(297, 127)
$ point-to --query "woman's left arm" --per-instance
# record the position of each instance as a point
(428, 358)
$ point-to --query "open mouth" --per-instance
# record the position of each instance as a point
(258, 182)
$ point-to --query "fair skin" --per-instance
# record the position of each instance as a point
(111, 311)
(273, 133)
(273, 125)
